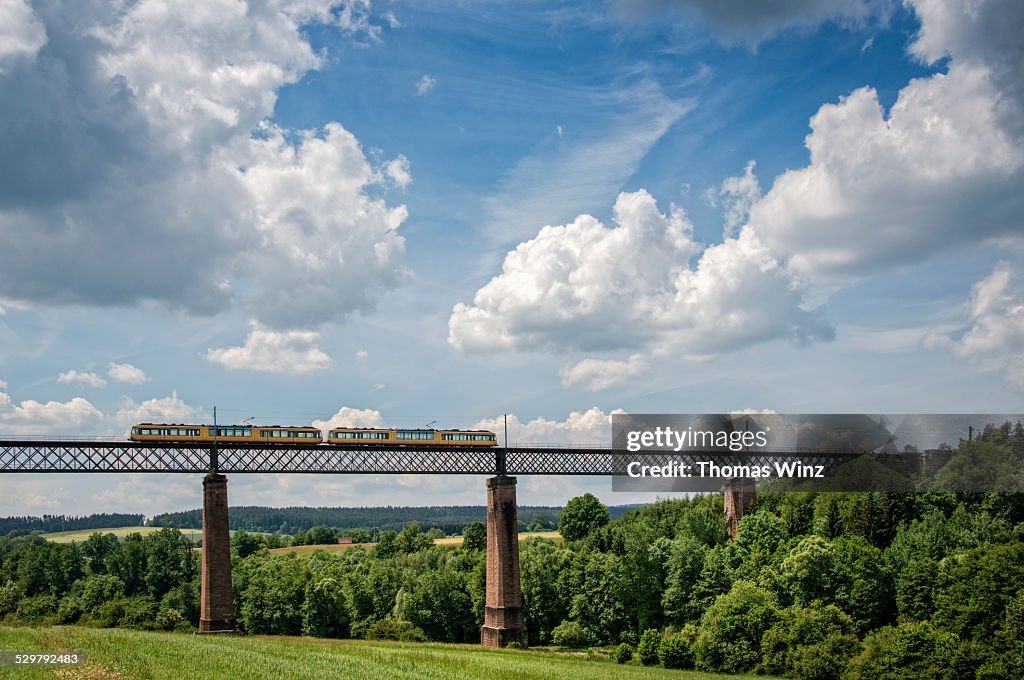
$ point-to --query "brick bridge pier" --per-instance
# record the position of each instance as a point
(503, 612)
(216, 613)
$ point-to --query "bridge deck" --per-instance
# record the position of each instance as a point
(125, 456)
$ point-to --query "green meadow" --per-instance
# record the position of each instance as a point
(116, 653)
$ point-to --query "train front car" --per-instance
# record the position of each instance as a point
(169, 432)
(225, 434)
(359, 436)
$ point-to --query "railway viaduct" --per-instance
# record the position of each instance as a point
(503, 617)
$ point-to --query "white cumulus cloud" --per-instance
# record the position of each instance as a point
(589, 287)
(592, 427)
(168, 103)
(32, 418)
(326, 247)
(995, 333)
(274, 352)
(170, 409)
(600, 374)
(90, 379)
(22, 34)
(397, 170)
(942, 168)
(351, 417)
(126, 373)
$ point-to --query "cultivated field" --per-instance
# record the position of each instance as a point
(82, 534)
(113, 654)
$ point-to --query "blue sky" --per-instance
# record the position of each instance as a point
(395, 213)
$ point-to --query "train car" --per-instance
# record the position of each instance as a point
(242, 434)
(349, 436)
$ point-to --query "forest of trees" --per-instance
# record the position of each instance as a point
(926, 584)
(448, 518)
(52, 523)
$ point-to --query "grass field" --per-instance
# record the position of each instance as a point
(112, 654)
(304, 550)
(82, 534)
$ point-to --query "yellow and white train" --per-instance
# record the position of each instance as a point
(338, 436)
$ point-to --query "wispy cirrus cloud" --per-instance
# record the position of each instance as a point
(553, 184)
(751, 22)
(425, 84)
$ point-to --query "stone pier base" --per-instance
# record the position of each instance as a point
(216, 614)
(740, 495)
(503, 613)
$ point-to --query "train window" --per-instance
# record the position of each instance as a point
(231, 431)
(415, 434)
(466, 437)
(356, 435)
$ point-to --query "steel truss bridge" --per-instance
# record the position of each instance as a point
(124, 456)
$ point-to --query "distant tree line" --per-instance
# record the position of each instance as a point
(53, 523)
(450, 519)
